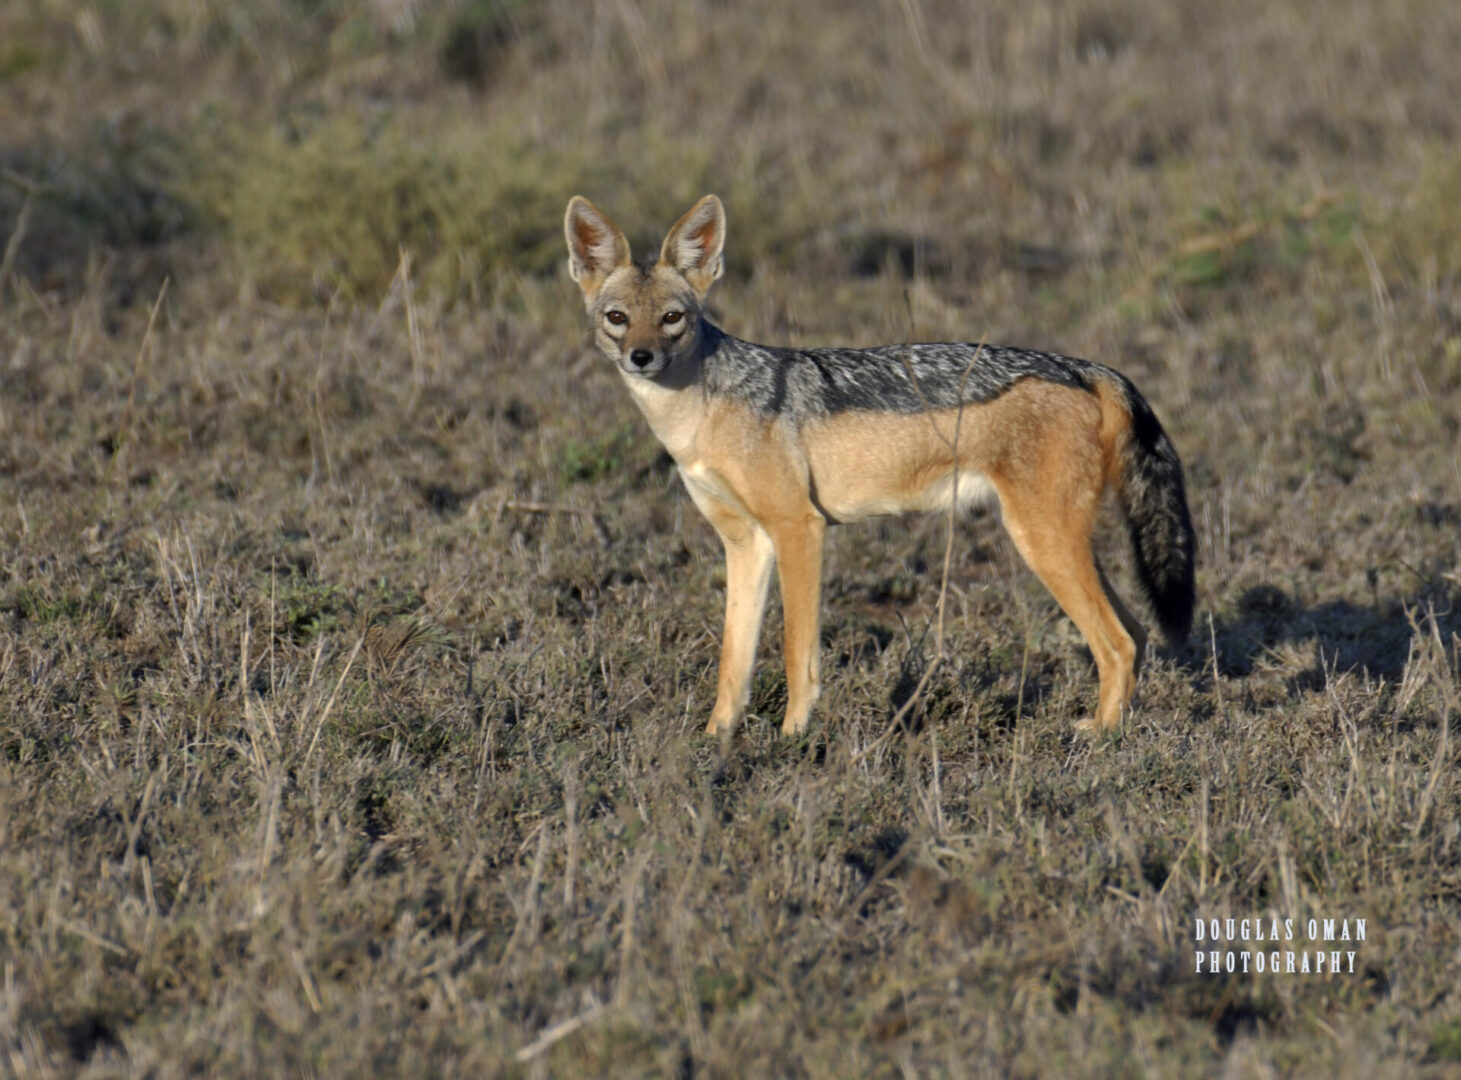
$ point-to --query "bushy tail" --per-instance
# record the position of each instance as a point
(1153, 498)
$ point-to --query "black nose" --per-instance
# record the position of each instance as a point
(640, 357)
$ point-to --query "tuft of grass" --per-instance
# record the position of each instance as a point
(1445, 1044)
(326, 208)
(480, 35)
(309, 608)
(587, 460)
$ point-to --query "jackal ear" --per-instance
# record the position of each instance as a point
(694, 245)
(596, 247)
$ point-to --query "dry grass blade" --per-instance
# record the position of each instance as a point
(126, 433)
(557, 1032)
(330, 704)
(17, 237)
(1444, 679)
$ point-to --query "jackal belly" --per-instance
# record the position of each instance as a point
(866, 465)
(847, 498)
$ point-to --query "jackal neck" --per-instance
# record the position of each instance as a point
(673, 403)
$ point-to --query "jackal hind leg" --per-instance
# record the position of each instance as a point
(1128, 621)
(1054, 537)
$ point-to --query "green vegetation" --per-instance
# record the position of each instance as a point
(356, 638)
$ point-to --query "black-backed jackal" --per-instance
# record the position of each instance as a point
(776, 444)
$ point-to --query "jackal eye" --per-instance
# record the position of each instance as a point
(617, 318)
(672, 317)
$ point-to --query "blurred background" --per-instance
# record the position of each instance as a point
(1153, 152)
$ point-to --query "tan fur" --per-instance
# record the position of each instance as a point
(1045, 451)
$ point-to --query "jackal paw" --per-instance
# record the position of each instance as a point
(799, 710)
(796, 721)
(1092, 726)
(722, 723)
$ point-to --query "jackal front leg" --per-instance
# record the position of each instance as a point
(748, 559)
(799, 566)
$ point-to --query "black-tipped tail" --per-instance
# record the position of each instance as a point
(1154, 499)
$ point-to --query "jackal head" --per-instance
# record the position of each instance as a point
(645, 316)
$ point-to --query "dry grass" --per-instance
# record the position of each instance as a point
(355, 638)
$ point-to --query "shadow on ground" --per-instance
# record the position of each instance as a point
(1372, 638)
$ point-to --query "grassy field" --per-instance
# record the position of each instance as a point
(356, 637)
